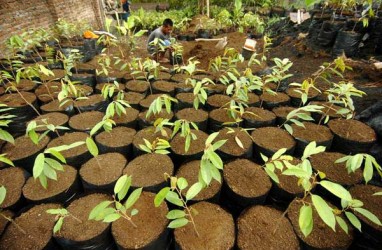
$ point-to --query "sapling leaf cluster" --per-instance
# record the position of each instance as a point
(121, 206)
(163, 101)
(61, 214)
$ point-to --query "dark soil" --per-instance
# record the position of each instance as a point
(336, 172)
(14, 100)
(24, 147)
(231, 147)
(322, 236)
(259, 114)
(163, 75)
(118, 137)
(133, 98)
(312, 132)
(54, 106)
(58, 74)
(289, 183)
(13, 180)
(246, 178)
(91, 101)
(215, 226)
(68, 139)
(151, 223)
(329, 109)
(103, 170)
(221, 115)
(293, 93)
(218, 101)
(353, 130)
(196, 146)
(55, 118)
(192, 115)
(4, 222)
(148, 170)
(371, 202)
(145, 103)
(163, 87)
(278, 97)
(37, 224)
(85, 121)
(262, 227)
(48, 92)
(185, 98)
(190, 171)
(123, 120)
(34, 191)
(272, 138)
(137, 86)
(75, 230)
(179, 77)
(150, 135)
(23, 85)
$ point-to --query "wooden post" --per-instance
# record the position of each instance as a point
(208, 7)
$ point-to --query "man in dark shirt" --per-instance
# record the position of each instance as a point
(126, 9)
(163, 35)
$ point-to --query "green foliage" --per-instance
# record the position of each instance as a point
(158, 146)
(211, 162)
(35, 137)
(3, 194)
(163, 101)
(300, 114)
(175, 195)
(45, 168)
(109, 211)
(61, 214)
(355, 162)
(279, 71)
(199, 90)
(5, 119)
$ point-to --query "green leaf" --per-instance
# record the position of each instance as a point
(4, 135)
(265, 159)
(368, 215)
(3, 193)
(111, 217)
(175, 214)
(336, 189)
(182, 183)
(134, 211)
(218, 144)
(324, 211)
(368, 170)
(98, 209)
(194, 190)
(305, 220)
(134, 196)
(342, 224)
(296, 171)
(279, 153)
(92, 147)
(173, 198)
(58, 155)
(38, 165)
(58, 225)
(159, 198)
(178, 223)
(378, 193)
(272, 175)
(211, 137)
(216, 160)
(353, 220)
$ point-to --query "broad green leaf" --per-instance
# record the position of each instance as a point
(58, 155)
(342, 224)
(3, 193)
(175, 214)
(182, 183)
(324, 211)
(353, 220)
(111, 217)
(305, 220)
(279, 153)
(368, 170)
(134, 211)
(368, 215)
(159, 198)
(120, 183)
(296, 171)
(265, 159)
(218, 144)
(178, 223)
(336, 189)
(173, 198)
(98, 209)
(134, 196)
(211, 137)
(38, 167)
(4, 135)
(216, 160)
(58, 225)
(92, 147)
(194, 190)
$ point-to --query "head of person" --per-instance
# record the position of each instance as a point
(167, 26)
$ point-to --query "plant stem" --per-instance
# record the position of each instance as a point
(188, 211)
(22, 97)
(12, 221)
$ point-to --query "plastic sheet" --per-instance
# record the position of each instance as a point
(346, 42)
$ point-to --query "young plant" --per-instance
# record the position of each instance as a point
(355, 162)
(309, 180)
(157, 105)
(45, 168)
(5, 119)
(158, 146)
(127, 31)
(279, 72)
(300, 114)
(211, 162)
(147, 71)
(61, 214)
(199, 90)
(174, 194)
(35, 137)
(109, 211)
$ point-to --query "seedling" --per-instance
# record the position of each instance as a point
(36, 138)
(158, 146)
(309, 180)
(355, 162)
(301, 113)
(174, 194)
(45, 168)
(5, 119)
(109, 211)
(157, 105)
(279, 72)
(61, 214)
(199, 90)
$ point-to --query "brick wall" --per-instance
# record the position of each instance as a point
(19, 15)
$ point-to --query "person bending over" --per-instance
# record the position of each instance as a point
(156, 50)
